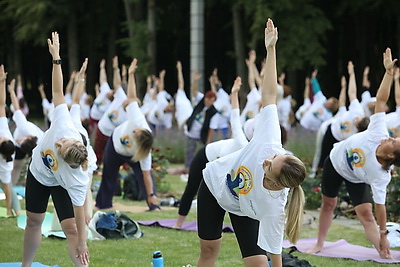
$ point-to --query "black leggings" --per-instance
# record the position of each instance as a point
(195, 177)
(326, 146)
(210, 217)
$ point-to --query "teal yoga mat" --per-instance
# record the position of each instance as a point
(46, 226)
(18, 264)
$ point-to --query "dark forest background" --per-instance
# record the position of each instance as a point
(312, 34)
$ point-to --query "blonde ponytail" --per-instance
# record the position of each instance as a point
(294, 214)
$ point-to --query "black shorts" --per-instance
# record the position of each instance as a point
(19, 154)
(359, 193)
(37, 198)
(210, 217)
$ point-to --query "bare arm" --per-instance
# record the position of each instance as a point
(307, 84)
(342, 95)
(365, 81)
(71, 83)
(80, 84)
(116, 75)
(57, 76)
(13, 96)
(131, 81)
(249, 62)
(352, 92)
(235, 92)
(41, 91)
(383, 93)
(269, 88)
(396, 77)
(213, 80)
(82, 251)
(195, 84)
(181, 82)
(384, 247)
(102, 74)
(161, 86)
(3, 77)
(148, 184)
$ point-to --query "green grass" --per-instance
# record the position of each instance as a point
(178, 247)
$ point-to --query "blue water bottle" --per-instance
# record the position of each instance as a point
(158, 260)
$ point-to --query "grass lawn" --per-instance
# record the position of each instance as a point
(179, 248)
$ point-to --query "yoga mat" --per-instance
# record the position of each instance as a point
(343, 249)
(189, 226)
(46, 226)
(19, 189)
(18, 264)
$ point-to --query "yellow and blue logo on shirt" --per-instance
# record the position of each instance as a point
(49, 159)
(125, 141)
(394, 132)
(99, 104)
(318, 113)
(201, 116)
(249, 115)
(345, 127)
(241, 183)
(355, 157)
(113, 115)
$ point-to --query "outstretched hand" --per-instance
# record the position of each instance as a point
(133, 67)
(387, 60)
(82, 71)
(343, 82)
(54, 45)
(179, 65)
(350, 68)
(3, 74)
(11, 86)
(271, 34)
(236, 85)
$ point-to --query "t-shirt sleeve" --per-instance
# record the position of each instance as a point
(266, 126)
(75, 112)
(136, 116)
(145, 164)
(377, 126)
(61, 117)
(270, 234)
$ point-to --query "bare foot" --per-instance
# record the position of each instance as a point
(175, 226)
(385, 255)
(314, 250)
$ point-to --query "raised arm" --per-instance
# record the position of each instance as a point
(314, 82)
(235, 92)
(249, 62)
(3, 77)
(57, 76)
(41, 91)
(383, 93)
(195, 83)
(352, 91)
(365, 81)
(116, 75)
(396, 77)
(102, 74)
(161, 85)
(181, 82)
(71, 83)
(13, 96)
(213, 80)
(307, 85)
(131, 93)
(124, 76)
(342, 95)
(80, 83)
(269, 87)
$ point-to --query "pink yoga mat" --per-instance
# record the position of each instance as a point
(343, 249)
(189, 226)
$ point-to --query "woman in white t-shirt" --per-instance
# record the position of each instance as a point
(58, 169)
(129, 143)
(363, 163)
(392, 119)
(211, 152)
(7, 147)
(253, 185)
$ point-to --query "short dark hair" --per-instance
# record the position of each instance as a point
(7, 148)
(28, 145)
(363, 124)
(210, 94)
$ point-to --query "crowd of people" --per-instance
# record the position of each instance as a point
(234, 159)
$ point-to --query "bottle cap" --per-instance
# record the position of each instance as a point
(157, 254)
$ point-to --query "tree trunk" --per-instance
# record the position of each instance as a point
(151, 45)
(239, 47)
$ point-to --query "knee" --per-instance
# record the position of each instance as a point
(209, 250)
(69, 228)
(328, 204)
(33, 221)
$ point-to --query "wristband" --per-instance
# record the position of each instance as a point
(152, 195)
(57, 61)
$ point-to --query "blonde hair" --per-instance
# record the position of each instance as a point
(75, 153)
(293, 173)
(145, 141)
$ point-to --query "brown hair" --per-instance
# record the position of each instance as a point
(145, 141)
(74, 154)
(7, 148)
(293, 173)
(362, 125)
(29, 144)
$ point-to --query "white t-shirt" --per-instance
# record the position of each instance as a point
(343, 126)
(5, 167)
(183, 108)
(236, 181)
(76, 119)
(49, 168)
(223, 106)
(392, 120)
(123, 139)
(101, 102)
(252, 107)
(25, 127)
(302, 109)
(221, 148)
(355, 158)
(157, 115)
(148, 102)
(284, 108)
(114, 115)
(366, 98)
(316, 114)
(48, 108)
